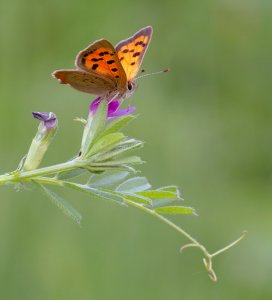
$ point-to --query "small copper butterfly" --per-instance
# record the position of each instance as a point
(106, 71)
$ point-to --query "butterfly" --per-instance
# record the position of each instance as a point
(108, 71)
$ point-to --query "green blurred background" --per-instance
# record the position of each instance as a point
(207, 128)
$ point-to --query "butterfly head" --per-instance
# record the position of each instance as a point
(131, 86)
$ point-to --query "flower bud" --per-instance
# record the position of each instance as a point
(45, 134)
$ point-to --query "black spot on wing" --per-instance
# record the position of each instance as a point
(95, 66)
(136, 54)
(109, 62)
(139, 43)
(96, 59)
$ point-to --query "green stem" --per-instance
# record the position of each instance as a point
(47, 180)
(171, 224)
(229, 246)
(22, 175)
(208, 257)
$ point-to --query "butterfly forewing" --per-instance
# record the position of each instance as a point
(131, 51)
(100, 58)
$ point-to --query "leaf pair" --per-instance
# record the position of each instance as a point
(114, 186)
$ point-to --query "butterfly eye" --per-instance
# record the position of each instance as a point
(130, 86)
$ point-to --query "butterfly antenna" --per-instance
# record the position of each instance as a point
(154, 73)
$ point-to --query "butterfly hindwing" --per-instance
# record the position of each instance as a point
(85, 82)
(131, 51)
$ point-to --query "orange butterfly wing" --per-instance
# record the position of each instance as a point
(85, 82)
(131, 51)
(98, 72)
(100, 58)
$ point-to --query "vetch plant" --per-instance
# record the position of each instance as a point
(106, 156)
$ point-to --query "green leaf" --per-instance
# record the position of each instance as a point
(130, 142)
(120, 149)
(100, 169)
(107, 178)
(133, 185)
(157, 194)
(94, 127)
(106, 143)
(171, 188)
(117, 124)
(106, 194)
(174, 210)
(131, 160)
(164, 202)
(136, 198)
(71, 174)
(64, 206)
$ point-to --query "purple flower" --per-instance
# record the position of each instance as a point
(112, 108)
(49, 119)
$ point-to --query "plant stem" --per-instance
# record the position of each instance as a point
(208, 257)
(229, 246)
(171, 224)
(21, 175)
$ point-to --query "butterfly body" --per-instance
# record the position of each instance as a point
(108, 71)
